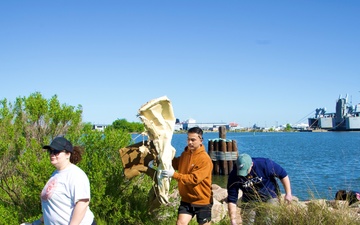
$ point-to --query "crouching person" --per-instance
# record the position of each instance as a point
(256, 178)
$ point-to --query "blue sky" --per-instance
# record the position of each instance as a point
(263, 62)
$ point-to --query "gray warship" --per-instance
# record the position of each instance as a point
(345, 118)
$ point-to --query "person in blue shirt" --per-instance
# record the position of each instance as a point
(257, 179)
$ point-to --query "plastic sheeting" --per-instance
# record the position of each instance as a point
(159, 121)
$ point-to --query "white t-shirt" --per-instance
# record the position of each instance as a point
(60, 194)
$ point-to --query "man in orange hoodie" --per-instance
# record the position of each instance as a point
(194, 175)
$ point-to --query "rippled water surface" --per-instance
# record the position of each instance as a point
(318, 164)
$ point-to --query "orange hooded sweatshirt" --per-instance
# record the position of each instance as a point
(194, 176)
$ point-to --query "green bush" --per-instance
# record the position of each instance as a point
(32, 122)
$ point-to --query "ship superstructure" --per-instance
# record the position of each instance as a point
(345, 118)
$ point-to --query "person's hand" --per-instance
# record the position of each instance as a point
(37, 222)
(288, 198)
(167, 173)
(234, 222)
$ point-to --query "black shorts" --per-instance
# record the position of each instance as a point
(203, 213)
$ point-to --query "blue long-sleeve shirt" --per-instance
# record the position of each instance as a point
(259, 185)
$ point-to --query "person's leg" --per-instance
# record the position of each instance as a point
(185, 213)
(183, 219)
(203, 214)
(264, 215)
(248, 213)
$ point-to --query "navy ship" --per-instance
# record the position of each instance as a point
(345, 118)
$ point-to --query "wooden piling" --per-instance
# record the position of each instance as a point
(223, 153)
(234, 152)
(223, 162)
(216, 168)
(229, 149)
(222, 132)
(212, 153)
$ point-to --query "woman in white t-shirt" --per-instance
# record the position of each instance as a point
(66, 196)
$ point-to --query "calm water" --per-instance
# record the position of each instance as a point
(318, 164)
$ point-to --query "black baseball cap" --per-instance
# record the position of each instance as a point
(59, 144)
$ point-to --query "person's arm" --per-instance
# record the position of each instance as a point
(232, 213)
(281, 173)
(203, 168)
(175, 163)
(79, 211)
(287, 187)
(232, 198)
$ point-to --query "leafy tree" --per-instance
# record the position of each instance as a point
(288, 128)
(123, 124)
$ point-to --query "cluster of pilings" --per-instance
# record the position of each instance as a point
(223, 153)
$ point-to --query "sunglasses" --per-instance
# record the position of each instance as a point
(55, 152)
